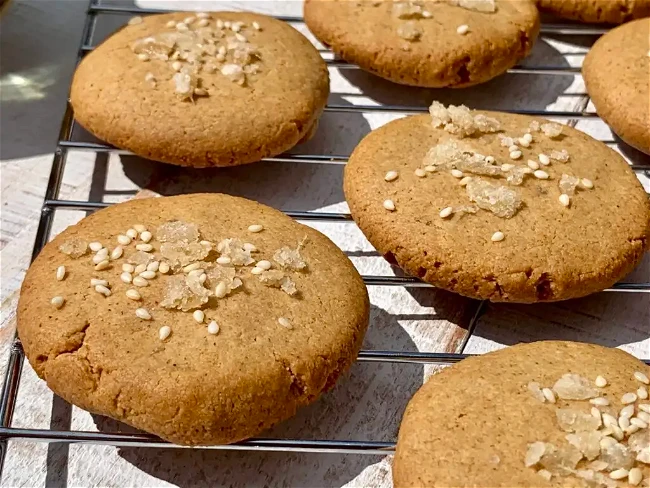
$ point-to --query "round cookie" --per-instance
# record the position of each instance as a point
(280, 338)
(618, 81)
(485, 422)
(596, 11)
(463, 215)
(429, 43)
(247, 87)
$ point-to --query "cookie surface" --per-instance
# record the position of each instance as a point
(468, 224)
(284, 334)
(417, 43)
(203, 95)
(596, 11)
(473, 423)
(618, 81)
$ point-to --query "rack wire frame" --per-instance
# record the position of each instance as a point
(52, 203)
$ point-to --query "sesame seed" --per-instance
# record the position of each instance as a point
(265, 265)
(202, 278)
(140, 268)
(507, 166)
(191, 267)
(163, 268)
(515, 154)
(126, 277)
(139, 227)
(132, 233)
(644, 416)
(98, 258)
(140, 281)
(148, 275)
(642, 377)
(609, 420)
(146, 236)
(644, 407)
(257, 271)
(213, 328)
(57, 302)
(600, 381)
(284, 322)
(221, 290)
(177, 65)
(600, 401)
(123, 240)
(249, 247)
(224, 260)
(544, 159)
(456, 173)
(642, 393)
(171, 23)
(541, 174)
(619, 474)
(144, 247)
(464, 181)
(628, 398)
(200, 92)
(226, 24)
(96, 281)
(235, 26)
(523, 142)
(133, 294)
(199, 316)
(490, 160)
(220, 24)
(549, 395)
(128, 268)
(102, 266)
(391, 176)
(533, 164)
(153, 266)
(117, 252)
(565, 200)
(181, 27)
(429, 168)
(164, 332)
(512, 148)
(103, 290)
(446, 212)
(635, 476)
(240, 37)
(95, 246)
(595, 413)
(632, 429)
(143, 57)
(497, 237)
(420, 173)
(627, 411)
(389, 205)
(222, 50)
(462, 29)
(528, 137)
(203, 15)
(255, 228)
(142, 313)
(256, 26)
(60, 273)
(639, 423)
(203, 22)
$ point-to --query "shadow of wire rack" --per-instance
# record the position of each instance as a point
(52, 203)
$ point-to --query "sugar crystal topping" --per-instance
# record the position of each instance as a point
(75, 248)
(460, 120)
(502, 201)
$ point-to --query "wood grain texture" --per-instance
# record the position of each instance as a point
(369, 403)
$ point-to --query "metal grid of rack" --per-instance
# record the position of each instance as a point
(53, 203)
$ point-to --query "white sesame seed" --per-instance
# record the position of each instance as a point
(201, 92)
(515, 154)
(133, 294)
(128, 268)
(429, 168)
(635, 476)
(389, 205)
(528, 137)
(220, 24)
(235, 26)
(57, 302)
(490, 160)
(544, 159)
(627, 411)
(284, 322)
(96, 281)
(632, 429)
(642, 377)
(199, 316)
(255, 228)
(191, 267)
(507, 166)
(265, 265)
(628, 398)
(497, 237)
(462, 29)
(644, 416)
(97, 258)
(148, 275)
(102, 252)
(139, 227)
(595, 413)
(619, 474)
(523, 142)
(60, 273)
(103, 290)
(153, 266)
(587, 183)
(177, 65)
(464, 181)
(189, 20)
(541, 174)
(213, 328)
(182, 27)
(600, 381)
(132, 233)
(140, 281)
(203, 22)
(456, 173)
(617, 433)
(221, 290)
(420, 173)
(140, 268)
(391, 176)
(257, 271)
(224, 260)
(164, 332)
(144, 247)
(609, 420)
(565, 199)
(446, 212)
(642, 393)
(95, 246)
(226, 24)
(240, 37)
(549, 395)
(117, 252)
(202, 278)
(123, 240)
(171, 23)
(102, 266)
(142, 313)
(533, 164)
(222, 50)
(126, 277)
(146, 236)
(639, 423)
(513, 148)
(163, 268)
(644, 407)
(143, 57)
(203, 15)
(600, 401)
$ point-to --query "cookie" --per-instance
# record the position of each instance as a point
(596, 11)
(528, 414)
(618, 81)
(498, 206)
(200, 90)
(218, 319)
(455, 43)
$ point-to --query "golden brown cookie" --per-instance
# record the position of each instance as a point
(234, 316)
(596, 11)
(498, 206)
(200, 90)
(430, 43)
(520, 415)
(618, 81)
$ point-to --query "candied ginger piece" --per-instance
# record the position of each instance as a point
(289, 258)
(237, 250)
(644, 456)
(486, 124)
(617, 456)
(507, 141)
(502, 201)
(516, 175)
(140, 257)
(182, 253)
(439, 115)
(184, 293)
(184, 85)
(160, 46)
(484, 6)
(276, 279)
(568, 184)
(551, 129)
(595, 480)
(459, 120)
(639, 441)
(223, 274)
(75, 248)
(458, 155)
(465, 209)
(409, 31)
(535, 389)
(561, 461)
(574, 387)
(407, 10)
(561, 156)
(587, 442)
(534, 453)
(534, 126)
(177, 230)
(576, 421)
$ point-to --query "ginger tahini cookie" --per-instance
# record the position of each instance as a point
(203, 319)
(206, 89)
(617, 75)
(449, 43)
(541, 414)
(596, 11)
(498, 206)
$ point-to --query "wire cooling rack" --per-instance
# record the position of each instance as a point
(52, 203)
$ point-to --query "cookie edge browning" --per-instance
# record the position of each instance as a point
(73, 378)
(598, 15)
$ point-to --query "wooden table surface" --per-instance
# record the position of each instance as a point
(39, 42)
